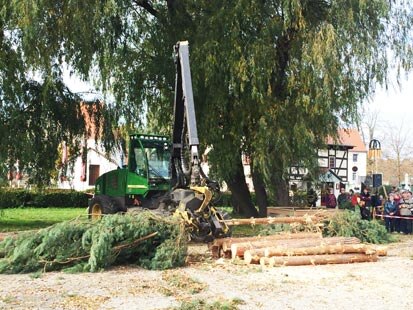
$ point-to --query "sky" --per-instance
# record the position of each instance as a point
(395, 109)
(395, 104)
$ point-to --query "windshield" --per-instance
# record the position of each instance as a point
(150, 156)
(158, 161)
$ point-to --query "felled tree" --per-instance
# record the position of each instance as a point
(145, 239)
(350, 224)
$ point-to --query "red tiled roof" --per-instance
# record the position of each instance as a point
(349, 137)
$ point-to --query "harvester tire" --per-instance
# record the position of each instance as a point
(100, 205)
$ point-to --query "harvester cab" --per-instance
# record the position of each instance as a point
(166, 175)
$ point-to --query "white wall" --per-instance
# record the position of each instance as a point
(361, 172)
(93, 158)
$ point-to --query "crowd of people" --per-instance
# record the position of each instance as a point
(396, 208)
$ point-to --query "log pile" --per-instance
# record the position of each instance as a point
(222, 247)
(296, 249)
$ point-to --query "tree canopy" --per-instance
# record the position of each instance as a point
(271, 78)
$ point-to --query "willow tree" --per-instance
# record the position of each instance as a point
(282, 75)
(271, 78)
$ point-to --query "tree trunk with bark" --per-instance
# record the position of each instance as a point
(281, 191)
(320, 249)
(222, 247)
(273, 220)
(238, 249)
(260, 192)
(240, 192)
(254, 256)
(319, 259)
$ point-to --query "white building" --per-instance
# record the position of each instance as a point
(87, 168)
(357, 158)
(343, 163)
(93, 161)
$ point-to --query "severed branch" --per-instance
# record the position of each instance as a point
(116, 249)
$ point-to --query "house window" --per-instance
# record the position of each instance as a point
(331, 162)
(355, 157)
(93, 173)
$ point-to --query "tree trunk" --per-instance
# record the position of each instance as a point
(281, 236)
(320, 249)
(253, 256)
(260, 192)
(222, 247)
(381, 250)
(240, 192)
(273, 220)
(238, 249)
(281, 191)
(320, 259)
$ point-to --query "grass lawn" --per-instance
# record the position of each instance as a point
(34, 218)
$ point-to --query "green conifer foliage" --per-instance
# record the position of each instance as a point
(350, 224)
(144, 239)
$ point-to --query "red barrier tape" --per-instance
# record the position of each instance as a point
(407, 217)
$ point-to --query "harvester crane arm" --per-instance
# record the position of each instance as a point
(185, 157)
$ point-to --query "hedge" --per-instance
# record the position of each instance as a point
(15, 198)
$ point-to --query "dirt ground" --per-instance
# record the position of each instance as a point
(386, 284)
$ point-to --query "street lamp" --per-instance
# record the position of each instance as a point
(374, 152)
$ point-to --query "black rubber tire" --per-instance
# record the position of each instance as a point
(101, 204)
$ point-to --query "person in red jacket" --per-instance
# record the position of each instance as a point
(354, 198)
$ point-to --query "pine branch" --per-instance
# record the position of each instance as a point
(116, 249)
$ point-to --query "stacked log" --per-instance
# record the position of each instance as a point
(318, 259)
(222, 247)
(238, 249)
(298, 249)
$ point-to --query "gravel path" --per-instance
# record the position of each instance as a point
(386, 284)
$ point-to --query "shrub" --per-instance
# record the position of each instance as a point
(12, 198)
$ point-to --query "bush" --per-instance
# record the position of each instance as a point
(350, 224)
(12, 198)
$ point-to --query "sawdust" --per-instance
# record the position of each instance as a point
(386, 284)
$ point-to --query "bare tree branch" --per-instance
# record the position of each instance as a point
(398, 147)
(145, 4)
(370, 118)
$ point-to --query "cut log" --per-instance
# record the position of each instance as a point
(238, 249)
(381, 250)
(273, 220)
(253, 256)
(321, 259)
(288, 211)
(222, 247)
(227, 242)
(320, 249)
(264, 261)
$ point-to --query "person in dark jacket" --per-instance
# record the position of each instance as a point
(343, 198)
(365, 204)
(312, 198)
(390, 209)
